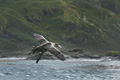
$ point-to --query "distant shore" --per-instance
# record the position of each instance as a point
(71, 54)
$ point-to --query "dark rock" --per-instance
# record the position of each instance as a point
(74, 53)
(3, 56)
(79, 53)
(76, 50)
(44, 56)
(90, 55)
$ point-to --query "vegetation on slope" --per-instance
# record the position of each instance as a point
(93, 24)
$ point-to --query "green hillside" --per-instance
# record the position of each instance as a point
(91, 24)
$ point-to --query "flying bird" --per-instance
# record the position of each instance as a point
(46, 45)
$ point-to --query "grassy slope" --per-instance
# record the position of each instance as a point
(78, 22)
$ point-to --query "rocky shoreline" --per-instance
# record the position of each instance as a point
(74, 53)
(70, 54)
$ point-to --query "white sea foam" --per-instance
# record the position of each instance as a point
(13, 58)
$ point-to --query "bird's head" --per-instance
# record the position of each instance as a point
(57, 45)
(33, 47)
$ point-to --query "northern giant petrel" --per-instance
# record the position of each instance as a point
(46, 45)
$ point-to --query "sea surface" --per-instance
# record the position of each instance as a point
(72, 69)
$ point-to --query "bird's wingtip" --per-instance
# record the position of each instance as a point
(61, 57)
(34, 34)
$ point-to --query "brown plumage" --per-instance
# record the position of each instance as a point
(44, 46)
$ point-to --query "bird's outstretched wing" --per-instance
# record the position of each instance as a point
(39, 48)
(40, 38)
(45, 45)
(58, 54)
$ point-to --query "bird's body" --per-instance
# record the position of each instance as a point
(45, 45)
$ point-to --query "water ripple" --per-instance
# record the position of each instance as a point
(59, 70)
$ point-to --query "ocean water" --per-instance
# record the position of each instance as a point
(73, 69)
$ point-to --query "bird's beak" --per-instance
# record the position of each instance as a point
(59, 46)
